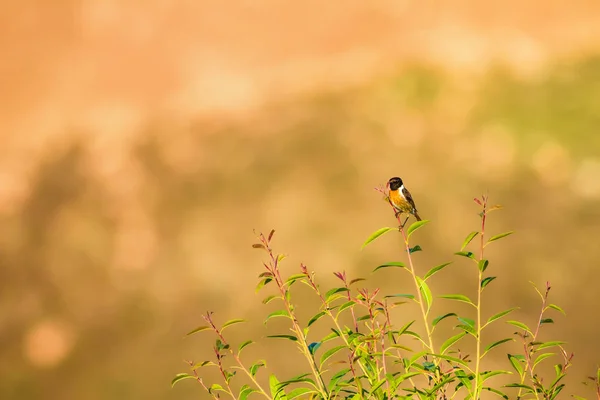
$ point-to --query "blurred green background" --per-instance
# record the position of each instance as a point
(141, 144)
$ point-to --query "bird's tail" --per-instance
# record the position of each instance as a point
(417, 216)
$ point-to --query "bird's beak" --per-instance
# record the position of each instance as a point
(387, 185)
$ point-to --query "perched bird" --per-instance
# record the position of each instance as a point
(401, 199)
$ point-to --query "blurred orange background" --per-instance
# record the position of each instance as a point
(142, 142)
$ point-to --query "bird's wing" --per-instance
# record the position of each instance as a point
(409, 198)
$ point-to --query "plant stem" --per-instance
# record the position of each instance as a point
(296, 326)
(476, 391)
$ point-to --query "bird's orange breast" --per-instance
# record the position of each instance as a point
(400, 202)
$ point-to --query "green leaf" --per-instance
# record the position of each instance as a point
(203, 364)
(216, 387)
(274, 386)
(454, 339)
(547, 321)
(254, 367)
(495, 344)
(452, 359)
(415, 249)
(246, 343)
(557, 308)
(467, 321)
(245, 391)
(441, 317)
(413, 227)
(467, 254)
(345, 306)
(396, 264)
(406, 296)
(468, 239)
(546, 345)
(520, 325)
(269, 298)
(294, 278)
(198, 329)
(496, 391)
(376, 387)
(516, 364)
(500, 315)
(403, 330)
(278, 313)
(500, 236)
(262, 283)
(180, 377)
(425, 292)
(376, 234)
(313, 347)
(528, 389)
(299, 392)
(541, 358)
(232, 322)
(434, 270)
(329, 353)
(288, 337)
(482, 265)
(329, 296)
(487, 375)
(486, 281)
(316, 318)
(458, 297)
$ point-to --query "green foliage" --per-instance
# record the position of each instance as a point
(377, 357)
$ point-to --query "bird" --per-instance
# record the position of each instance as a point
(401, 199)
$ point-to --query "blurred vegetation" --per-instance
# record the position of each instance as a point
(79, 322)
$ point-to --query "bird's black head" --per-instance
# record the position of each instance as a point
(394, 183)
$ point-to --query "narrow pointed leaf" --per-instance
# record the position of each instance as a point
(516, 364)
(482, 265)
(498, 343)
(557, 308)
(436, 269)
(180, 377)
(316, 318)
(500, 315)
(458, 297)
(329, 353)
(486, 281)
(467, 254)
(377, 234)
(442, 317)
(294, 278)
(519, 325)
(541, 358)
(451, 341)
(425, 292)
(547, 321)
(415, 249)
(299, 392)
(198, 329)
(288, 337)
(406, 296)
(468, 239)
(232, 322)
(413, 227)
(496, 392)
(500, 236)
(546, 345)
(278, 313)
(243, 345)
(331, 294)
(262, 283)
(268, 299)
(313, 347)
(393, 264)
